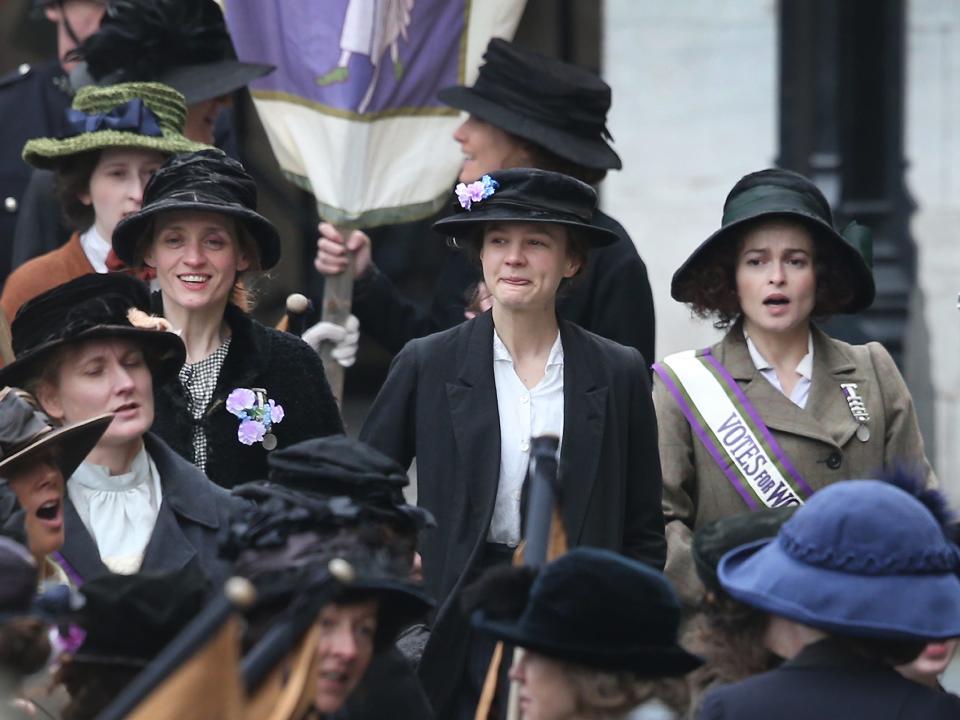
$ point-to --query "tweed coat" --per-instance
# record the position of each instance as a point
(259, 357)
(439, 404)
(828, 681)
(820, 439)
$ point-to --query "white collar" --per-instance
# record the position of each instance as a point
(502, 353)
(98, 477)
(95, 248)
(804, 368)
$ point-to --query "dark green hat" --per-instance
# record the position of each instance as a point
(780, 193)
(141, 115)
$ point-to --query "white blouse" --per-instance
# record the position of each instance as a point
(524, 413)
(801, 391)
(119, 511)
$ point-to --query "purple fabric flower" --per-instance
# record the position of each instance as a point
(250, 431)
(67, 643)
(239, 400)
(475, 191)
(464, 195)
(276, 412)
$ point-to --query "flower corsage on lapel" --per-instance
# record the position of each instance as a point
(257, 415)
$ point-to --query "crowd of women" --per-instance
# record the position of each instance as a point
(757, 533)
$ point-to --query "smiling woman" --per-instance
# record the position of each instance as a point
(777, 409)
(199, 231)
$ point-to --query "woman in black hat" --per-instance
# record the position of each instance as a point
(465, 403)
(200, 231)
(598, 633)
(87, 348)
(777, 409)
(525, 110)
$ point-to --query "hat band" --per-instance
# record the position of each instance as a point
(132, 116)
(555, 214)
(772, 199)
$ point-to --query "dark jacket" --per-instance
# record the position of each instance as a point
(32, 104)
(259, 357)
(611, 298)
(191, 514)
(828, 681)
(439, 404)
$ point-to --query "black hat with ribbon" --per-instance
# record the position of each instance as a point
(781, 193)
(90, 307)
(559, 106)
(205, 181)
(525, 195)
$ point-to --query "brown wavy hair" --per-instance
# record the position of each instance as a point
(71, 180)
(710, 287)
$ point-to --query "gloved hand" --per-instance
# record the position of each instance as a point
(345, 339)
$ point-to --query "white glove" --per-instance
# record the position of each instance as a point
(345, 339)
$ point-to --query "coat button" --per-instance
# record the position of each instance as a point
(10, 204)
(833, 460)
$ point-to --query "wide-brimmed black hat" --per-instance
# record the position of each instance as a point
(205, 181)
(525, 195)
(559, 106)
(338, 465)
(715, 539)
(591, 607)
(129, 619)
(90, 307)
(26, 434)
(776, 193)
(181, 44)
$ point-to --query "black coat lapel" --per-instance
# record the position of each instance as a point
(472, 400)
(584, 420)
(79, 549)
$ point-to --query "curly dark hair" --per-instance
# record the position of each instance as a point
(71, 180)
(24, 646)
(710, 287)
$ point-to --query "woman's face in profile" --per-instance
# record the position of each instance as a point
(486, 149)
(546, 690)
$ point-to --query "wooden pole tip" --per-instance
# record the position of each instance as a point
(341, 570)
(297, 303)
(240, 592)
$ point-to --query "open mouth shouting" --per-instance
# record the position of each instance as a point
(776, 303)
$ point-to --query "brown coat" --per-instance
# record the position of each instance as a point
(43, 273)
(820, 439)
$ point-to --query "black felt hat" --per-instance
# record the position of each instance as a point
(90, 307)
(27, 434)
(338, 465)
(776, 193)
(19, 572)
(559, 106)
(715, 539)
(526, 195)
(129, 619)
(180, 43)
(591, 607)
(205, 181)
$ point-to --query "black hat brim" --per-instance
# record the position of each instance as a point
(211, 80)
(69, 446)
(854, 267)
(165, 348)
(588, 152)
(463, 225)
(649, 660)
(401, 603)
(133, 228)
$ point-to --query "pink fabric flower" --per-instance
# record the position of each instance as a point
(276, 412)
(250, 431)
(239, 400)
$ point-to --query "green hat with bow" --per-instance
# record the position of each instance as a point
(139, 115)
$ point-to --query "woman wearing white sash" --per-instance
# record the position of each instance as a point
(777, 409)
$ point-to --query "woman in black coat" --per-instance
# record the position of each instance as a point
(245, 389)
(466, 401)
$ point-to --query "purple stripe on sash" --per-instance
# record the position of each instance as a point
(704, 436)
(758, 422)
(68, 569)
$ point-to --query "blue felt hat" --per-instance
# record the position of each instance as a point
(860, 558)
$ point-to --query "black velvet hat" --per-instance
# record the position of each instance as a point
(27, 434)
(341, 466)
(559, 106)
(591, 607)
(526, 195)
(90, 307)
(205, 181)
(776, 193)
(180, 43)
(715, 539)
(129, 619)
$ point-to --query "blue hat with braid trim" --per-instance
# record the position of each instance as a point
(861, 558)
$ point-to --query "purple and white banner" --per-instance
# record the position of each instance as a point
(351, 111)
